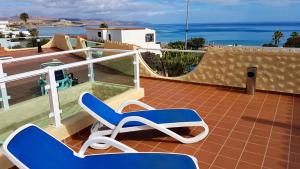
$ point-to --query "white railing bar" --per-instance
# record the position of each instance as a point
(28, 37)
(66, 66)
(172, 50)
(43, 55)
(58, 53)
(110, 50)
(24, 75)
(86, 62)
(5, 58)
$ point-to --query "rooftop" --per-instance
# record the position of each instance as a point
(246, 131)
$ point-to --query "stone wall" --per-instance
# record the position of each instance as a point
(278, 69)
(81, 45)
(62, 42)
(117, 45)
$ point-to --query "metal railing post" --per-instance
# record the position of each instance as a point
(136, 65)
(3, 91)
(91, 73)
(53, 97)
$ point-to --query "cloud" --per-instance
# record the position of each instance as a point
(241, 2)
(121, 9)
(163, 11)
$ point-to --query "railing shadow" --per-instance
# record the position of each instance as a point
(269, 122)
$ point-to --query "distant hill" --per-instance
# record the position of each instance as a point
(50, 21)
(17, 18)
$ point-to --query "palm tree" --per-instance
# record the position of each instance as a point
(276, 37)
(24, 17)
(294, 34)
(10, 35)
(34, 32)
(103, 25)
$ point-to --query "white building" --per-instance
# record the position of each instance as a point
(142, 37)
(3, 26)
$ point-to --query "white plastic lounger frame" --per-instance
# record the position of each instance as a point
(82, 151)
(115, 130)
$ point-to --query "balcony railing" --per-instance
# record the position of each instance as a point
(50, 74)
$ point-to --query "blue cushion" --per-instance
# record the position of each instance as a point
(164, 116)
(101, 109)
(140, 161)
(37, 150)
(158, 116)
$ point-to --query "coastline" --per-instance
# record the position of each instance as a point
(245, 34)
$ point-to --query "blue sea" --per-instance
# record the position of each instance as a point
(249, 34)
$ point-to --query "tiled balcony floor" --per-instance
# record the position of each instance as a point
(245, 131)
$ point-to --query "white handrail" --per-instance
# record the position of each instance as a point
(43, 55)
(24, 75)
(26, 58)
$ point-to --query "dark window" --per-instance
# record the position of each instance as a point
(59, 75)
(149, 37)
(109, 37)
(99, 34)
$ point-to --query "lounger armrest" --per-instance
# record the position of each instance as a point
(105, 140)
(134, 102)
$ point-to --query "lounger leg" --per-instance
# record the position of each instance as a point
(96, 132)
(113, 133)
(163, 129)
(96, 127)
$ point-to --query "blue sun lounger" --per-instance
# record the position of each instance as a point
(162, 119)
(29, 147)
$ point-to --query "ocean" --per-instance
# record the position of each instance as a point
(248, 34)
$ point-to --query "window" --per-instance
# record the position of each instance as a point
(59, 75)
(109, 37)
(99, 34)
(150, 37)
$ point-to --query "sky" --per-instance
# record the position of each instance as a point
(159, 11)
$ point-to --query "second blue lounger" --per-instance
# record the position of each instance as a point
(119, 122)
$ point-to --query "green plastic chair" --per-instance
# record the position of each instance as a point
(63, 79)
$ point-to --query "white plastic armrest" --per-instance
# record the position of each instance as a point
(134, 102)
(105, 140)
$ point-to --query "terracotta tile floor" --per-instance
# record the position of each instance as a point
(245, 131)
